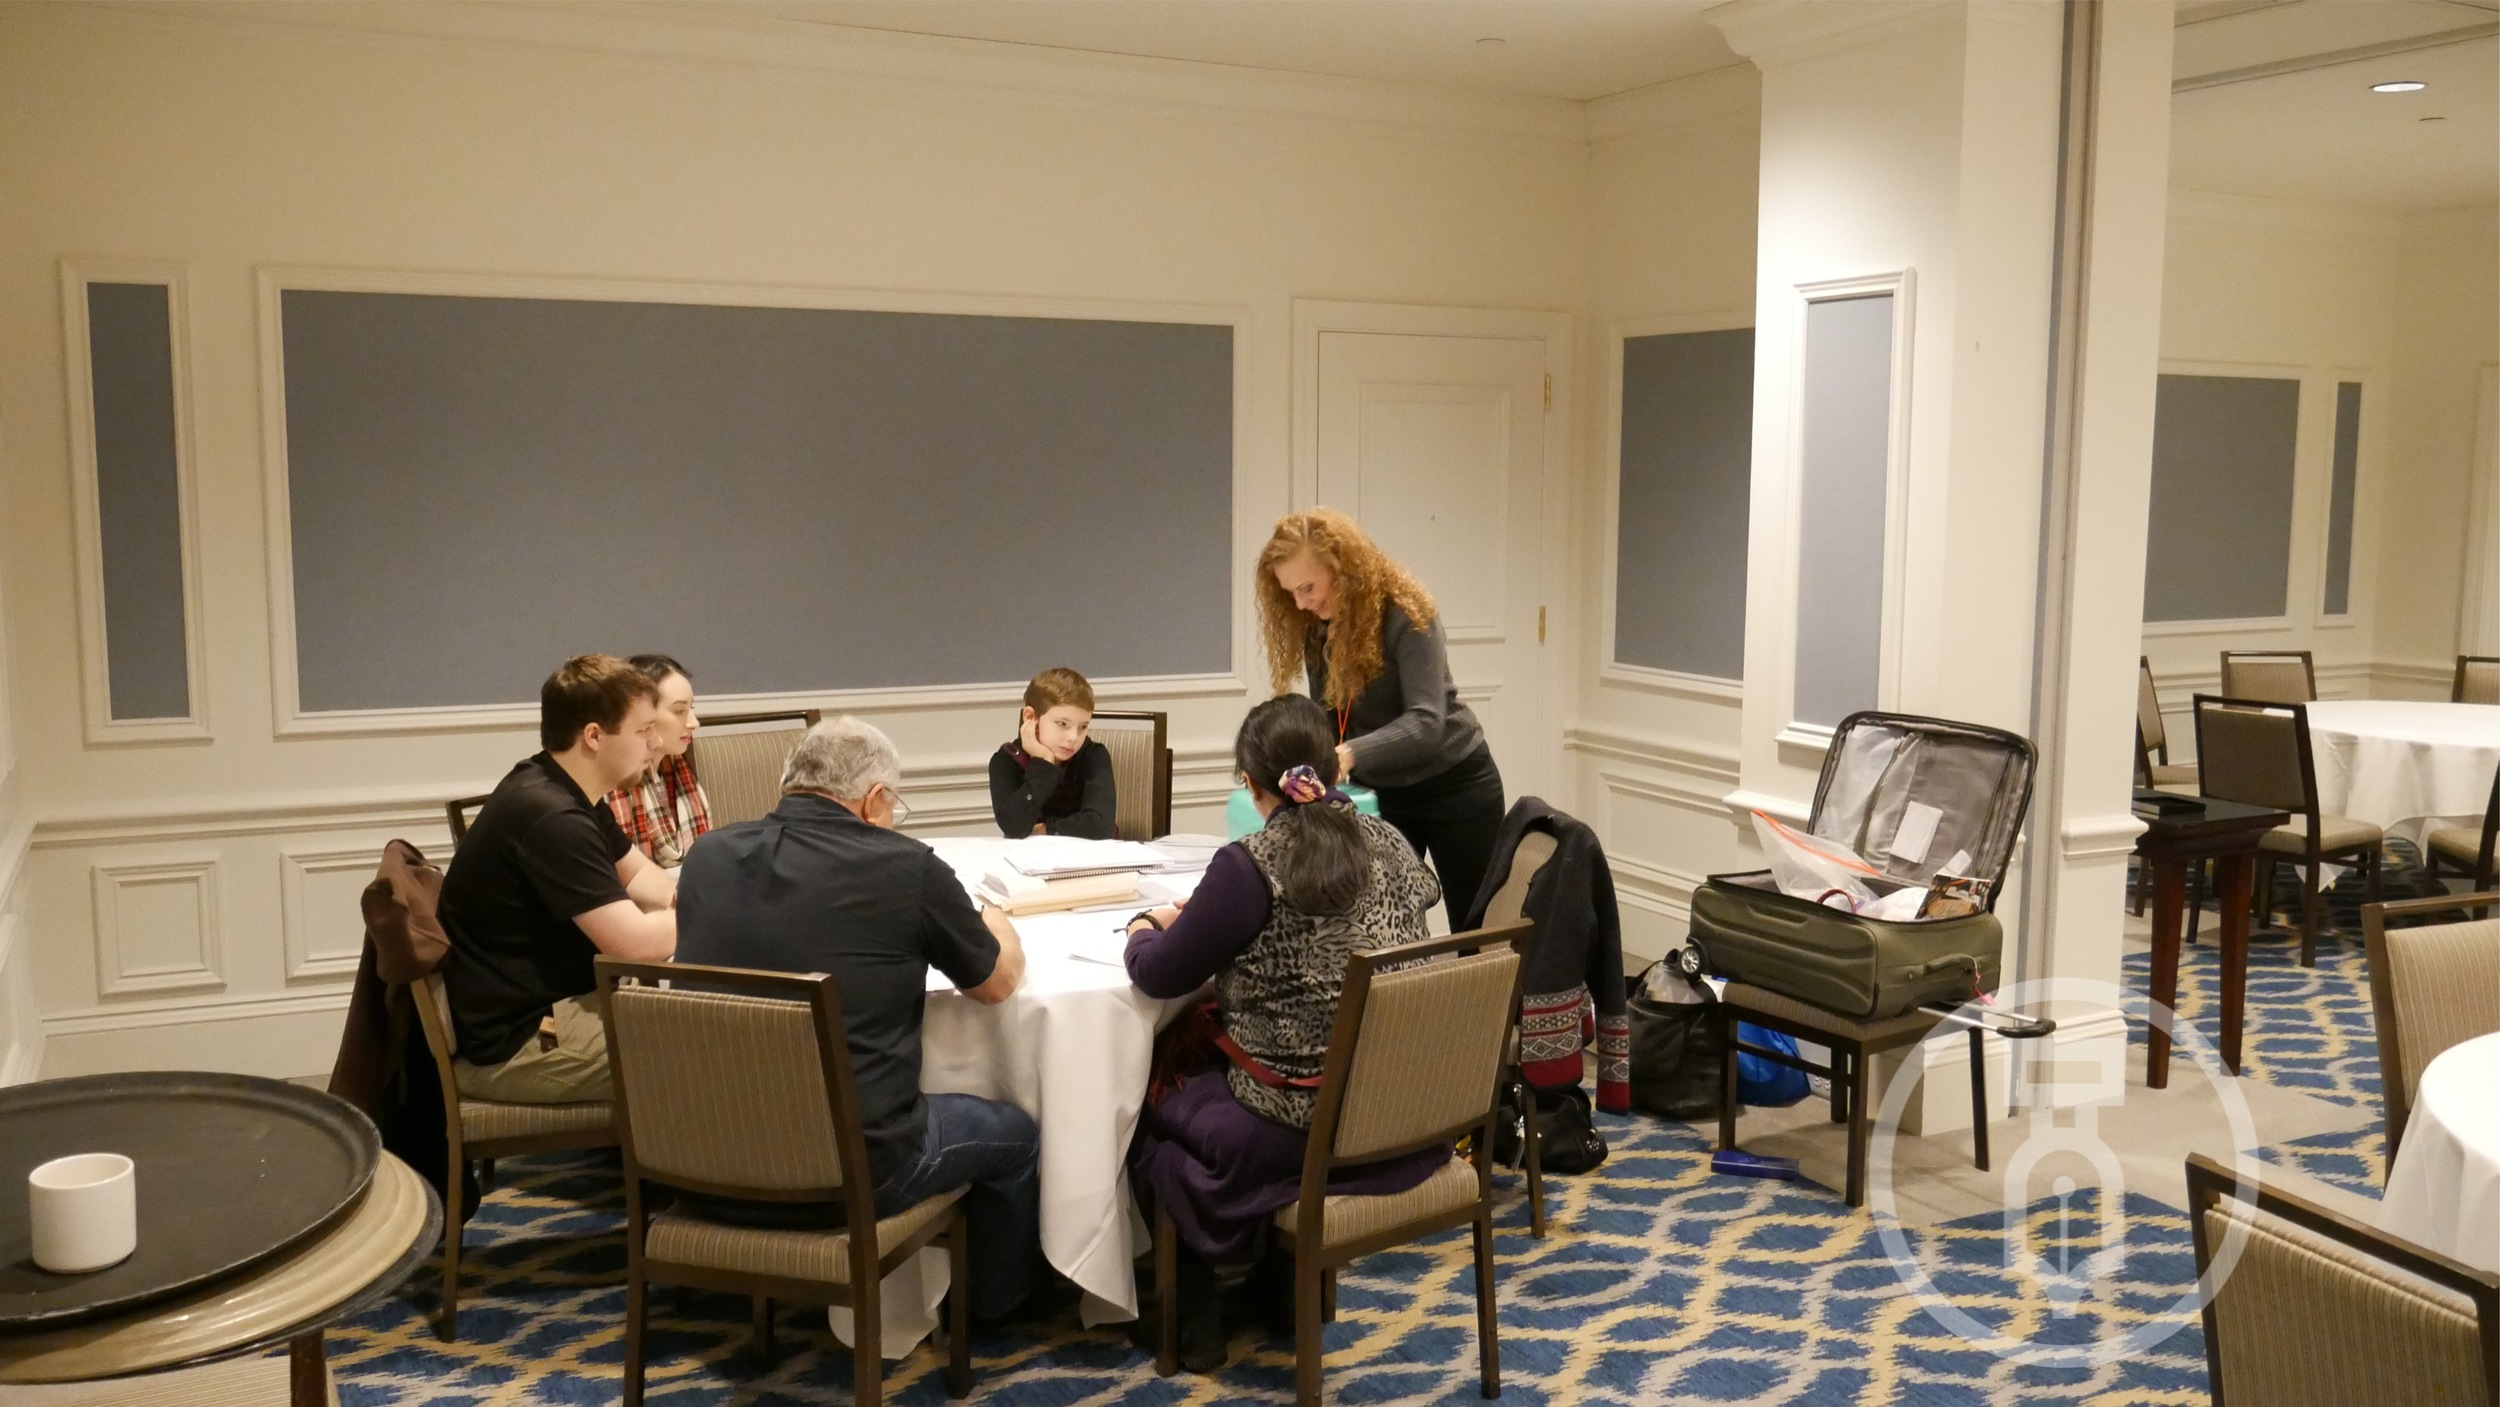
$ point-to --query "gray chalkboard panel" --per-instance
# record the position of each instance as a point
(2220, 546)
(787, 499)
(1845, 477)
(1685, 496)
(130, 362)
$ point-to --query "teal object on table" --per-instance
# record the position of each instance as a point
(1241, 818)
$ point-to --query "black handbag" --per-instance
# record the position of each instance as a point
(1677, 1041)
(1567, 1137)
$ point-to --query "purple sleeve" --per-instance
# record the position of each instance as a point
(1227, 911)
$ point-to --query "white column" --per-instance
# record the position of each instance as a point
(1918, 141)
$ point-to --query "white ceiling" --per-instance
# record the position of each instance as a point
(2319, 134)
(1575, 49)
(2315, 134)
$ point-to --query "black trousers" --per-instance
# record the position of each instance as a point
(1452, 820)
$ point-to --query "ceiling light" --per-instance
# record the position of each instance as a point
(1490, 40)
(2401, 85)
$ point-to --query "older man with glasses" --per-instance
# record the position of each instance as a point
(826, 884)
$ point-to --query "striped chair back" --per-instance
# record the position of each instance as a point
(737, 760)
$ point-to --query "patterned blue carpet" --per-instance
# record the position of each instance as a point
(1661, 1284)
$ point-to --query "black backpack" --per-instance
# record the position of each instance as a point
(1677, 1042)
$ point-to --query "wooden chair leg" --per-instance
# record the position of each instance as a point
(2196, 898)
(958, 1312)
(1532, 1142)
(1839, 1081)
(2309, 912)
(1979, 1109)
(2261, 897)
(1853, 1180)
(1308, 1347)
(307, 1371)
(2143, 886)
(448, 1324)
(637, 1314)
(867, 1346)
(1727, 1079)
(2373, 863)
(1488, 1319)
(1167, 1296)
(1328, 1295)
(763, 1325)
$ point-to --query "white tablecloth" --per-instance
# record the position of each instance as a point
(2405, 766)
(2444, 1192)
(1072, 1048)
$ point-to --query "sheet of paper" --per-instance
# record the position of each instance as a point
(1918, 831)
(1059, 854)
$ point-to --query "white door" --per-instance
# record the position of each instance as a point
(1436, 445)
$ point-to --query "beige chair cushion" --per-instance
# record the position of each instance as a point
(1344, 1219)
(1768, 1003)
(481, 1119)
(2444, 983)
(2175, 774)
(2308, 1322)
(2461, 844)
(740, 771)
(822, 1256)
(2339, 834)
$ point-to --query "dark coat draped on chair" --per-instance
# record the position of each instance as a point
(1576, 961)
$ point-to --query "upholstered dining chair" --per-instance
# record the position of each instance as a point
(732, 1083)
(1501, 911)
(2311, 1308)
(458, 811)
(1414, 1060)
(2153, 767)
(737, 758)
(2269, 676)
(1141, 770)
(2257, 752)
(2431, 987)
(2467, 850)
(2477, 681)
(482, 1130)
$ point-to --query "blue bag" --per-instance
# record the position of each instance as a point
(1767, 1084)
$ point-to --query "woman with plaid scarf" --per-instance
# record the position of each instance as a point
(664, 810)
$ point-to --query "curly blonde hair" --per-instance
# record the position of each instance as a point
(1366, 581)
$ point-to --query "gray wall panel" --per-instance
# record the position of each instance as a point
(2339, 508)
(1685, 502)
(130, 355)
(1840, 549)
(2221, 537)
(787, 499)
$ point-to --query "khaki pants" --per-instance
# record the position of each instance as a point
(573, 1070)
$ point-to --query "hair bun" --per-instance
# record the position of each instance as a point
(1301, 785)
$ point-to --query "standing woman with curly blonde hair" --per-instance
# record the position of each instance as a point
(1369, 644)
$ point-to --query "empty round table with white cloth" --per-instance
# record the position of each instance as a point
(2406, 766)
(2444, 1192)
(1072, 1047)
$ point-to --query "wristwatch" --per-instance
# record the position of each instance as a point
(1148, 915)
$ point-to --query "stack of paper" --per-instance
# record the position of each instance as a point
(1009, 888)
(1060, 856)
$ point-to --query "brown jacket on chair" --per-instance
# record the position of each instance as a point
(383, 1067)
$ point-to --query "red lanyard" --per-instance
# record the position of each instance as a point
(1343, 714)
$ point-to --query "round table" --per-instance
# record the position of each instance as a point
(286, 1300)
(1072, 1047)
(2444, 1192)
(2405, 766)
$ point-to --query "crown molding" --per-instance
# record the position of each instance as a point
(1719, 97)
(745, 40)
(1772, 32)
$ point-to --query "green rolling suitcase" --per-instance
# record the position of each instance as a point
(1915, 798)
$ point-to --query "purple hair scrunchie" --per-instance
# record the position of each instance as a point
(1301, 785)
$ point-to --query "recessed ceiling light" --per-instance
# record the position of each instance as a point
(2430, 119)
(1490, 40)
(2401, 85)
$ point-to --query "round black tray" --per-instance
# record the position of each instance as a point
(231, 1170)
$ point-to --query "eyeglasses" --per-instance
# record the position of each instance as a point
(902, 808)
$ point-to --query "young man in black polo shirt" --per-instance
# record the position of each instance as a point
(825, 884)
(543, 883)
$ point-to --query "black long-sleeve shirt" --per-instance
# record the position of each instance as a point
(1407, 725)
(1071, 798)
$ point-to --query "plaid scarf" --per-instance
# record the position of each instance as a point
(663, 812)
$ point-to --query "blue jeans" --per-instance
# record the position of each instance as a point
(994, 1149)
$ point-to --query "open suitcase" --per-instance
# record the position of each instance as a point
(1914, 797)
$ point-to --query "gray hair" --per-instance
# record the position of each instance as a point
(845, 758)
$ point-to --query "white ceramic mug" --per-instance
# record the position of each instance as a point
(85, 1212)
